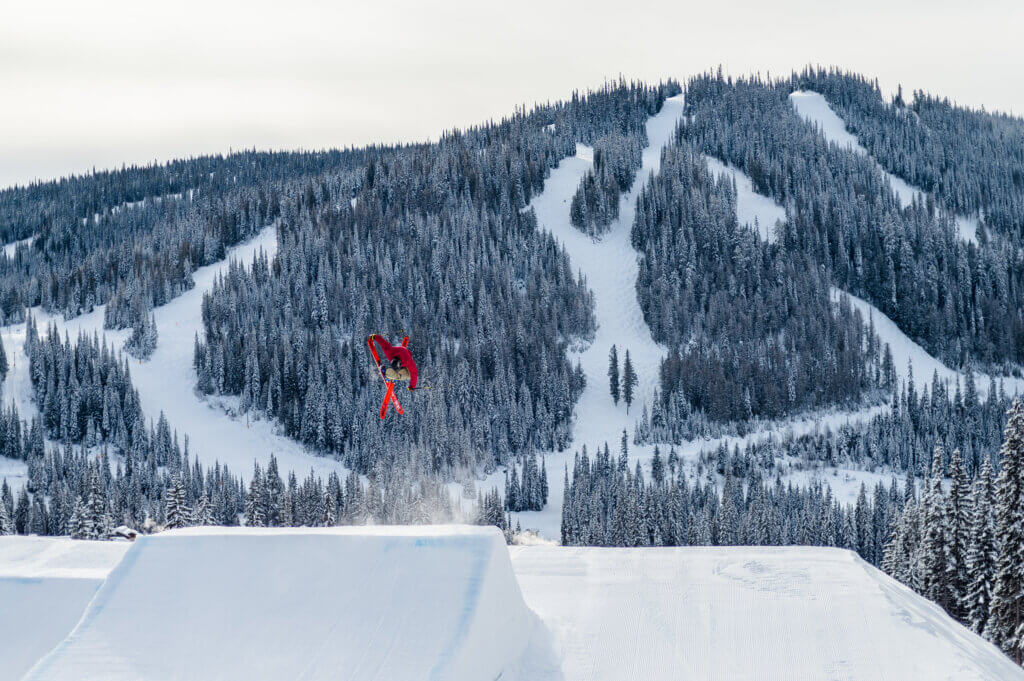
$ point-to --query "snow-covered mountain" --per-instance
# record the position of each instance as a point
(743, 312)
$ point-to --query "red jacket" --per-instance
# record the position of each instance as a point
(402, 353)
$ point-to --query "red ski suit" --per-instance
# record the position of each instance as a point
(402, 353)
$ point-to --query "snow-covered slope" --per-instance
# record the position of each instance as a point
(905, 351)
(752, 209)
(610, 267)
(45, 586)
(790, 614)
(166, 381)
(352, 603)
(813, 107)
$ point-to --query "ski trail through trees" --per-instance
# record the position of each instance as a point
(610, 266)
(815, 109)
(166, 381)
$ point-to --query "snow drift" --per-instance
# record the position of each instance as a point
(352, 603)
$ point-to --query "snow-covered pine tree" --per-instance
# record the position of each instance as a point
(177, 513)
(1007, 611)
(3, 362)
(100, 523)
(935, 533)
(613, 373)
(6, 523)
(629, 380)
(982, 552)
(958, 529)
(143, 340)
(203, 513)
(328, 517)
(254, 506)
(78, 524)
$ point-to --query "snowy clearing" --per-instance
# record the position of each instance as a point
(365, 602)
(743, 613)
(166, 381)
(814, 108)
(757, 211)
(45, 585)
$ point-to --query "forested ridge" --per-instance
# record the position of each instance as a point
(960, 301)
(437, 243)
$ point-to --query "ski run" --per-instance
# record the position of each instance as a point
(813, 107)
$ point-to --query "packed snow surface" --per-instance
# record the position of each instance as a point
(354, 603)
(791, 614)
(610, 266)
(45, 585)
(813, 107)
(754, 210)
(448, 603)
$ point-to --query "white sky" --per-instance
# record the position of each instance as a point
(86, 83)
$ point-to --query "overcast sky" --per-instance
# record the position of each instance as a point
(96, 84)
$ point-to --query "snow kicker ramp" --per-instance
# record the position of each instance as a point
(45, 585)
(381, 603)
(744, 613)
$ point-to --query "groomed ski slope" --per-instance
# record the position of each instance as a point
(610, 267)
(786, 614)
(813, 107)
(166, 381)
(373, 603)
(45, 585)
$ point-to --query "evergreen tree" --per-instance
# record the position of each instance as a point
(178, 514)
(629, 380)
(935, 536)
(613, 373)
(1007, 610)
(6, 524)
(982, 552)
(958, 528)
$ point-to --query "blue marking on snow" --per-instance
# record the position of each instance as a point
(480, 555)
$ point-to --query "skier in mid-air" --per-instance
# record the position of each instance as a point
(401, 365)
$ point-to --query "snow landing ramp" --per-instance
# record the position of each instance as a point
(377, 603)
